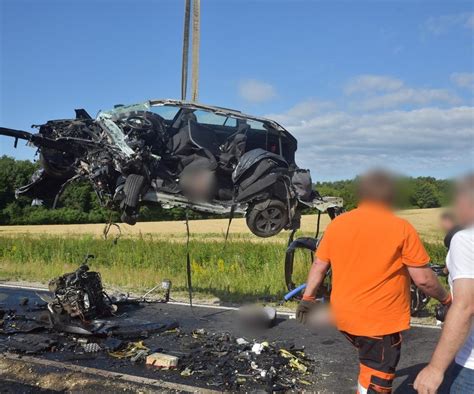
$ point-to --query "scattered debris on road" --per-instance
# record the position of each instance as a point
(81, 321)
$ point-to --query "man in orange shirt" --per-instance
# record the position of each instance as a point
(372, 254)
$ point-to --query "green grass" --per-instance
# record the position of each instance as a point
(239, 271)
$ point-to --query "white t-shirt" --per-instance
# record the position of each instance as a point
(460, 263)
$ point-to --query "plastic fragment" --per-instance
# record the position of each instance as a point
(186, 372)
(294, 362)
(91, 347)
(129, 351)
(241, 341)
(257, 348)
(297, 364)
(140, 356)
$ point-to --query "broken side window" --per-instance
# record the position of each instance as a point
(167, 112)
(210, 118)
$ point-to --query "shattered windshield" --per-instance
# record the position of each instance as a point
(120, 110)
(111, 121)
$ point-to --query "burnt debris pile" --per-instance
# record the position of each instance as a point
(226, 362)
(80, 321)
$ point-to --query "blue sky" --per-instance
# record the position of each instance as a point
(359, 83)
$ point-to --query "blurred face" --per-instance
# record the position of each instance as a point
(464, 208)
(447, 223)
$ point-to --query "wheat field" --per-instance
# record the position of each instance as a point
(424, 220)
(246, 268)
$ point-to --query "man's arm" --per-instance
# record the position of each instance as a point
(427, 281)
(455, 331)
(315, 278)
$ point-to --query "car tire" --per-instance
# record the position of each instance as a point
(267, 218)
(132, 189)
(129, 218)
(335, 211)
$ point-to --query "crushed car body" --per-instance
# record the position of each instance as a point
(177, 154)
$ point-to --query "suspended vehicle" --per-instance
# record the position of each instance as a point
(177, 154)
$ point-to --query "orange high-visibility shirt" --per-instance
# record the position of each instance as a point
(368, 249)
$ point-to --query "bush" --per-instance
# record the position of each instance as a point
(80, 204)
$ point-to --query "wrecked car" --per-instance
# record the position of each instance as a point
(177, 154)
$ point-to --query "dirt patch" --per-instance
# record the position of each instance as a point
(21, 376)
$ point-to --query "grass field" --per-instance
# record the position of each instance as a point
(150, 252)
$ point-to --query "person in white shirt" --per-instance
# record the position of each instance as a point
(457, 338)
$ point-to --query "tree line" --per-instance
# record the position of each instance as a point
(79, 203)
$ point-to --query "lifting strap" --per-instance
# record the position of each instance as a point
(318, 223)
(188, 263)
(196, 38)
(195, 53)
(107, 228)
(289, 256)
(231, 216)
(184, 64)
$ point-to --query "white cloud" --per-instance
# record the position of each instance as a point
(407, 133)
(369, 83)
(256, 91)
(438, 25)
(375, 92)
(409, 96)
(430, 141)
(302, 110)
(463, 80)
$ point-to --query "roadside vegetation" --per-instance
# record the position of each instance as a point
(79, 204)
(246, 268)
(231, 272)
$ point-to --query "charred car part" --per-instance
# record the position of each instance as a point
(177, 154)
(80, 294)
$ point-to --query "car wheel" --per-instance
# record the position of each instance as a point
(132, 189)
(267, 218)
(129, 217)
(335, 211)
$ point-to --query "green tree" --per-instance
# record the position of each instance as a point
(425, 195)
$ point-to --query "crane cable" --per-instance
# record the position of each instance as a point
(196, 37)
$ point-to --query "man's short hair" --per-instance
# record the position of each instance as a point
(377, 185)
(465, 186)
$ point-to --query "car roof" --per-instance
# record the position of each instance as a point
(218, 110)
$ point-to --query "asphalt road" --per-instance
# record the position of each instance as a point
(336, 364)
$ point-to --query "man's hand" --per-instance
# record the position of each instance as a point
(303, 310)
(428, 380)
